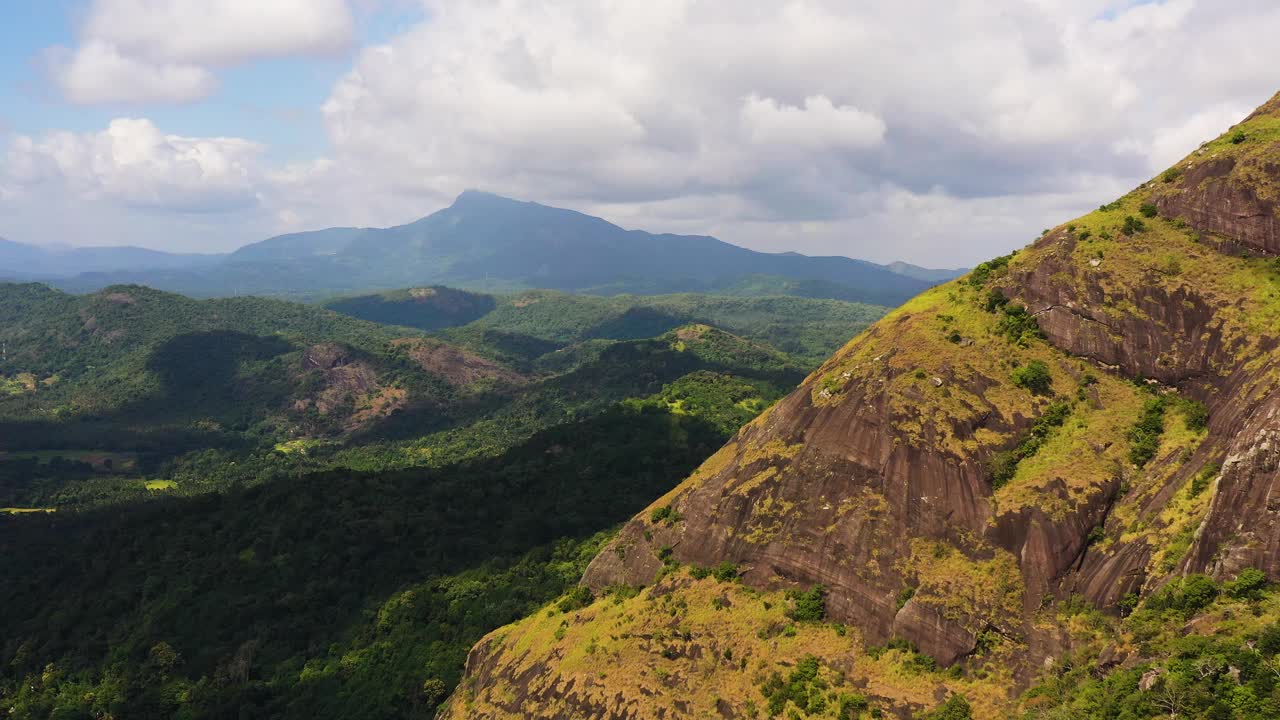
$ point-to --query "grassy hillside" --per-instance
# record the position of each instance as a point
(699, 642)
(1042, 491)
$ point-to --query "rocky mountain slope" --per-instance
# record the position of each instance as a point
(1073, 425)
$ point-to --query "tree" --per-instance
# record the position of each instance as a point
(955, 708)
(1034, 376)
(1248, 585)
(809, 605)
(434, 692)
(1173, 693)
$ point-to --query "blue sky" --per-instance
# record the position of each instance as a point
(940, 135)
(273, 100)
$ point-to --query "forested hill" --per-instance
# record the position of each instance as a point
(133, 366)
(806, 328)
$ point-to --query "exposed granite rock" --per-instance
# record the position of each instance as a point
(455, 365)
(861, 478)
(1213, 199)
(1243, 526)
(935, 634)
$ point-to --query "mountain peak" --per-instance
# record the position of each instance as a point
(484, 197)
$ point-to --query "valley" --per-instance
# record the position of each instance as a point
(202, 466)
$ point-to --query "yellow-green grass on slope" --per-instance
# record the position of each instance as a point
(160, 485)
(694, 648)
(19, 384)
(1244, 292)
(1169, 531)
(1169, 255)
(1251, 144)
(965, 590)
(23, 511)
(1084, 455)
(942, 363)
(300, 446)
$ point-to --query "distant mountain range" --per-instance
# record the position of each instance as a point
(481, 241)
(18, 260)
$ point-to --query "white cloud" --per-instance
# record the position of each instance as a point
(936, 133)
(134, 164)
(136, 51)
(808, 113)
(1167, 145)
(819, 125)
(98, 73)
(220, 32)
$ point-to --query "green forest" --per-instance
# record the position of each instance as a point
(263, 508)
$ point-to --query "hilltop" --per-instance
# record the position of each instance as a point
(545, 320)
(1046, 473)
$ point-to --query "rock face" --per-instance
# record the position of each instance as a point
(455, 365)
(1213, 200)
(823, 492)
(939, 495)
(1231, 195)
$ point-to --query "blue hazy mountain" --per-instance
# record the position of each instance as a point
(484, 241)
(19, 260)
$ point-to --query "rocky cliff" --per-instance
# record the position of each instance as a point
(1080, 421)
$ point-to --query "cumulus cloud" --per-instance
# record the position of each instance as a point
(220, 32)
(814, 114)
(137, 51)
(98, 73)
(819, 125)
(134, 164)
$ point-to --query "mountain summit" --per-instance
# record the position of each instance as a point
(1090, 425)
(490, 242)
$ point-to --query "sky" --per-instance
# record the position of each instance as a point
(937, 133)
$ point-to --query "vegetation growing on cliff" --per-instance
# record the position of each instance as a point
(1194, 648)
(1082, 372)
(698, 646)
